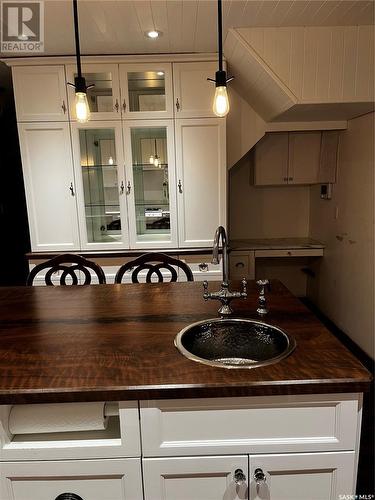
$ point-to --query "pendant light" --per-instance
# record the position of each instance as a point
(221, 102)
(81, 104)
(156, 157)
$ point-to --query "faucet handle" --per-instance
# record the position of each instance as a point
(244, 288)
(205, 288)
(262, 309)
(263, 284)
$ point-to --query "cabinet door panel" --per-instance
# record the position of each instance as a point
(40, 93)
(314, 476)
(89, 479)
(201, 174)
(198, 478)
(193, 94)
(151, 177)
(104, 96)
(146, 90)
(271, 160)
(49, 185)
(99, 167)
(304, 157)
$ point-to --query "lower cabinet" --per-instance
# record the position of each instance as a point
(310, 476)
(82, 479)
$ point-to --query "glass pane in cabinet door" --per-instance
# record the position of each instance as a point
(151, 189)
(100, 185)
(100, 96)
(146, 91)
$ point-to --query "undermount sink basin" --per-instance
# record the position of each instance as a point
(234, 343)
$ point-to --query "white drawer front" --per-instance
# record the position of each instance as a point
(89, 479)
(249, 425)
(120, 439)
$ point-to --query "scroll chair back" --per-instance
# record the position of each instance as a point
(71, 267)
(154, 263)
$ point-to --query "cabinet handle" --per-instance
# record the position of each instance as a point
(285, 179)
(239, 477)
(259, 476)
(117, 106)
(71, 189)
(68, 496)
(122, 187)
(179, 186)
(128, 187)
(124, 105)
(290, 179)
(203, 266)
(178, 106)
(63, 107)
(239, 264)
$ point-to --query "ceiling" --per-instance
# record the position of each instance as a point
(118, 26)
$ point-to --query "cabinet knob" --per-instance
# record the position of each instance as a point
(122, 187)
(259, 476)
(239, 477)
(71, 189)
(63, 107)
(178, 106)
(179, 186)
(285, 179)
(124, 105)
(128, 187)
(203, 266)
(290, 178)
(68, 496)
(117, 106)
(239, 265)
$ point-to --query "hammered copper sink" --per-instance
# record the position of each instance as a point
(234, 343)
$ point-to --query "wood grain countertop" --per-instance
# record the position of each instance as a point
(115, 342)
(275, 244)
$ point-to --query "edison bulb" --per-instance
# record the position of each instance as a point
(151, 160)
(156, 161)
(110, 160)
(82, 107)
(221, 102)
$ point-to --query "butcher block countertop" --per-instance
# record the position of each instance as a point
(115, 342)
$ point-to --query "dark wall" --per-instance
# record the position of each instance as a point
(14, 231)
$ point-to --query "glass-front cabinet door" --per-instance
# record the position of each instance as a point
(146, 90)
(151, 188)
(104, 96)
(101, 185)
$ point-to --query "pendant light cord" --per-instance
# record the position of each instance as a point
(76, 34)
(220, 33)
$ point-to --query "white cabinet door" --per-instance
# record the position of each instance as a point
(40, 93)
(271, 160)
(304, 157)
(201, 179)
(194, 478)
(193, 94)
(104, 96)
(151, 181)
(99, 169)
(308, 476)
(146, 90)
(49, 185)
(87, 479)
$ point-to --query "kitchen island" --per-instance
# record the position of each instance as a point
(297, 420)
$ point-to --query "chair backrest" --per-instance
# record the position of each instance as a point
(154, 263)
(71, 267)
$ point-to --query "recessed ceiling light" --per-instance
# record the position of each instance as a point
(153, 34)
(160, 73)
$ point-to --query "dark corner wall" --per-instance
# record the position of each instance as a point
(14, 231)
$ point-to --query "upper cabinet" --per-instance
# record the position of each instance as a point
(292, 158)
(193, 94)
(146, 90)
(40, 93)
(104, 96)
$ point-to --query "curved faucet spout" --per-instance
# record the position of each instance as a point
(221, 233)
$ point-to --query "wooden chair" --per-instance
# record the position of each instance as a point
(70, 265)
(154, 263)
